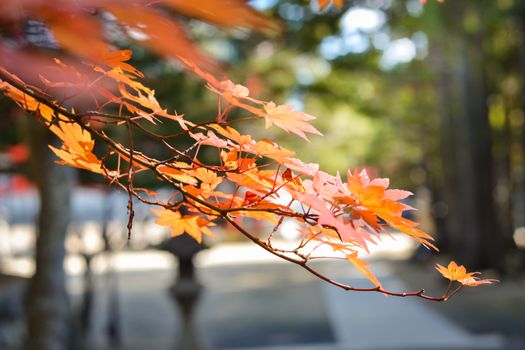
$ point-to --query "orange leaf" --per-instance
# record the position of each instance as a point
(260, 181)
(117, 59)
(286, 118)
(77, 33)
(26, 102)
(362, 266)
(325, 3)
(194, 225)
(269, 149)
(225, 13)
(157, 32)
(77, 147)
(233, 134)
(377, 200)
(295, 182)
(177, 174)
(455, 272)
(209, 180)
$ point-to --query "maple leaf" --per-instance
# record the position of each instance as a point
(269, 149)
(209, 180)
(194, 225)
(149, 102)
(156, 31)
(225, 13)
(177, 173)
(25, 101)
(231, 161)
(284, 117)
(327, 217)
(250, 198)
(257, 180)
(325, 3)
(236, 90)
(296, 164)
(377, 200)
(293, 181)
(255, 202)
(77, 147)
(363, 267)
(75, 32)
(118, 58)
(210, 139)
(455, 272)
(233, 134)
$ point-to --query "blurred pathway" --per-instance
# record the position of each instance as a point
(256, 302)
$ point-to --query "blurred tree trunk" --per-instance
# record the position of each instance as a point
(447, 208)
(48, 314)
(481, 239)
(519, 178)
(474, 234)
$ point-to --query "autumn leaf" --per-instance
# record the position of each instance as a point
(229, 159)
(284, 117)
(209, 180)
(76, 32)
(233, 134)
(296, 164)
(236, 90)
(327, 217)
(250, 198)
(232, 162)
(363, 267)
(118, 58)
(257, 180)
(148, 102)
(225, 13)
(177, 173)
(255, 202)
(293, 181)
(27, 102)
(194, 225)
(455, 272)
(77, 147)
(325, 3)
(210, 139)
(157, 32)
(269, 149)
(375, 199)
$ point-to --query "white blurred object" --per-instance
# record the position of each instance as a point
(519, 237)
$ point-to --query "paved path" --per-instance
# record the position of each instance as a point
(260, 304)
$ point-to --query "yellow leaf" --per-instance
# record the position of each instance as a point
(76, 148)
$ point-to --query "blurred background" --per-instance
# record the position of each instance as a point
(431, 97)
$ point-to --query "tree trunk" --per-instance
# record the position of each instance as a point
(474, 236)
(48, 313)
(481, 242)
(447, 209)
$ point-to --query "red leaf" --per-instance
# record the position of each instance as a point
(250, 198)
